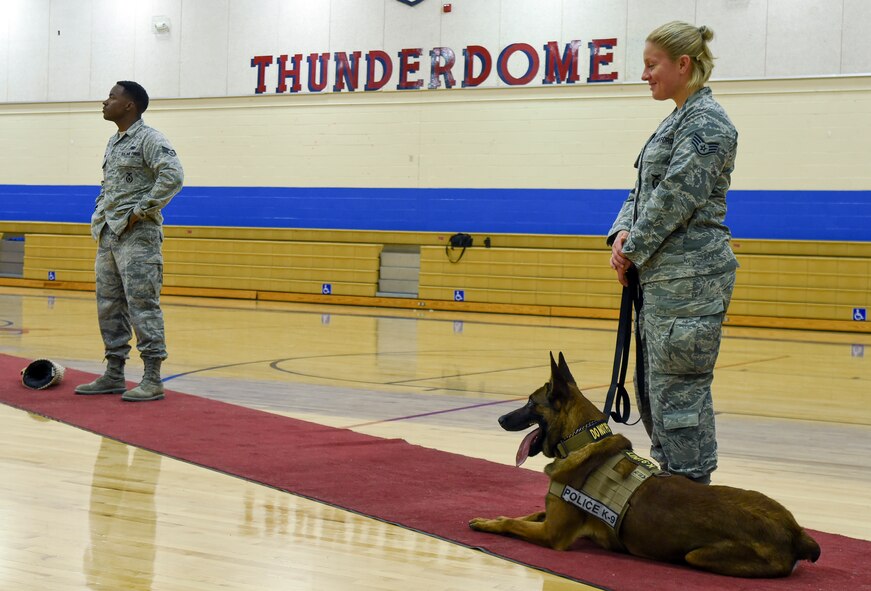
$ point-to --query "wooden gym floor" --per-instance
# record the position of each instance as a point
(83, 512)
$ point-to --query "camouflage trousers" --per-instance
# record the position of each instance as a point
(680, 331)
(129, 272)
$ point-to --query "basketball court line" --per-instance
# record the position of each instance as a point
(275, 362)
(435, 412)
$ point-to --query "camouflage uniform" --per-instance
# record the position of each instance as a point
(680, 246)
(141, 173)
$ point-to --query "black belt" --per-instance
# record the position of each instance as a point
(632, 297)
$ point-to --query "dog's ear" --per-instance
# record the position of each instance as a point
(559, 378)
(555, 372)
(564, 368)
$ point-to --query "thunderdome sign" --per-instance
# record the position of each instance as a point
(373, 70)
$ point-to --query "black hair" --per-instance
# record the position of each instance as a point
(135, 91)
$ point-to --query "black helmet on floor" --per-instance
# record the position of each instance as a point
(41, 374)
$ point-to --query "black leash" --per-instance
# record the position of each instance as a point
(632, 297)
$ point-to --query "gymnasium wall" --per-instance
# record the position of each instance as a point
(531, 164)
(72, 50)
(540, 158)
(552, 160)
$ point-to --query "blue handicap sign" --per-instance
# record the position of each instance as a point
(52, 276)
(327, 289)
(860, 314)
(459, 295)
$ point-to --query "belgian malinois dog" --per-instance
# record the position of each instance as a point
(669, 518)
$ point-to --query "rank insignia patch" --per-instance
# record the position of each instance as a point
(704, 148)
(168, 151)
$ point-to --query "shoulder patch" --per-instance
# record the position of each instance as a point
(169, 151)
(704, 148)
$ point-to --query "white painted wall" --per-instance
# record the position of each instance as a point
(812, 134)
(73, 50)
(806, 133)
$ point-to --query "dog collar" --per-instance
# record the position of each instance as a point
(585, 435)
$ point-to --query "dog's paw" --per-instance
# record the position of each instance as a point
(479, 523)
(493, 526)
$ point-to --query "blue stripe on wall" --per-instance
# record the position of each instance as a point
(789, 215)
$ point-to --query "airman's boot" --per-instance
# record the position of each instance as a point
(150, 388)
(706, 479)
(111, 382)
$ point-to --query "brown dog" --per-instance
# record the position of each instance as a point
(721, 529)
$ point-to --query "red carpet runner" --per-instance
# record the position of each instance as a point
(417, 488)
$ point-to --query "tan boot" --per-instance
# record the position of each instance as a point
(150, 388)
(111, 382)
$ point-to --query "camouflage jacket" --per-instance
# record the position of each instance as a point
(141, 173)
(675, 213)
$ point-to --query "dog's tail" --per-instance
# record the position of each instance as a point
(806, 548)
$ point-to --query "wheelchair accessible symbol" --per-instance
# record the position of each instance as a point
(459, 295)
(52, 276)
(860, 314)
(327, 289)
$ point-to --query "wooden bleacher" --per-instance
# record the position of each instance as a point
(784, 284)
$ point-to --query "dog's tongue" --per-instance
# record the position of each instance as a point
(525, 446)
